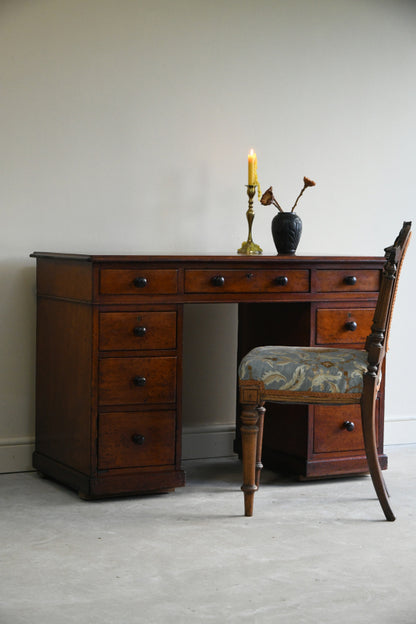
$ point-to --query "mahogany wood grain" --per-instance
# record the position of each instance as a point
(343, 326)
(132, 380)
(331, 432)
(63, 378)
(65, 279)
(134, 439)
(138, 330)
(127, 281)
(347, 280)
(235, 281)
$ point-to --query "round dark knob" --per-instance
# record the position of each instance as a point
(350, 280)
(140, 282)
(351, 325)
(139, 331)
(281, 280)
(139, 381)
(250, 275)
(349, 425)
(137, 438)
(218, 280)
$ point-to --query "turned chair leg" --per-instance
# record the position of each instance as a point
(250, 416)
(368, 407)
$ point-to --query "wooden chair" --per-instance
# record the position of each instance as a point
(315, 375)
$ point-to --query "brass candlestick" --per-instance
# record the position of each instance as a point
(249, 248)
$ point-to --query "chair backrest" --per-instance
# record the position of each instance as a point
(376, 343)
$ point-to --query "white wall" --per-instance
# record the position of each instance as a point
(125, 126)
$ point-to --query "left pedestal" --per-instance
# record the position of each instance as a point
(108, 366)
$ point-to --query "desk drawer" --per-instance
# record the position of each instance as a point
(138, 282)
(137, 380)
(137, 330)
(129, 439)
(347, 280)
(246, 281)
(330, 433)
(345, 326)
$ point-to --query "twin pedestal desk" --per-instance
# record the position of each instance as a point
(109, 361)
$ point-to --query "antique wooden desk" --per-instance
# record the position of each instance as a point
(109, 360)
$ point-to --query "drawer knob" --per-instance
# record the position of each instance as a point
(249, 275)
(140, 282)
(139, 331)
(138, 438)
(349, 425)
(350, 325)
(218, 280)
(139, 381)
(281, 280)
(350, 280)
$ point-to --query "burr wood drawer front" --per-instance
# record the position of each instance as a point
(344, 326)
(337, 429)
(133, 439)
(138, 281)
(136, 380)
(246, 281)
(137, 330)
(345, 280)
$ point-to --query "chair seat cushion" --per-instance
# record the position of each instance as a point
(306, 369)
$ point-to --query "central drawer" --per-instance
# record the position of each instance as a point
(137, 380)
(129, 439)
(246, 281)
(137, 330)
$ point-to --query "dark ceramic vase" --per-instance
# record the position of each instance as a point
(286, 231)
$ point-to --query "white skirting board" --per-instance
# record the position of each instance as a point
(16, 454)
(400, 429)
(205, 442)
(197, 442)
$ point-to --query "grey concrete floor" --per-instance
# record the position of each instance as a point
(314, 553)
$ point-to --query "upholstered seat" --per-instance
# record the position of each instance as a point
(312, 370)
(315, 375)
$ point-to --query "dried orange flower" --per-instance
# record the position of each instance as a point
(268, 198)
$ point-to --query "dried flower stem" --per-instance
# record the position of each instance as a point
(298, 198)
(274, 202)
(306, 182)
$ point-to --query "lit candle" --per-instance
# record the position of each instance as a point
(252, 162)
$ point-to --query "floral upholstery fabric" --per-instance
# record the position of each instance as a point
(306, 369)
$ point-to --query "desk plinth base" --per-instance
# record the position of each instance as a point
(106, 484)
(315, 469)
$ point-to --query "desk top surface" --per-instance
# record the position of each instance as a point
(209, 258)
